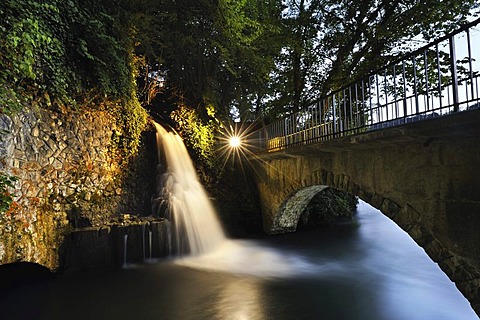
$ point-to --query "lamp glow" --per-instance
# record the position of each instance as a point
(235, 142)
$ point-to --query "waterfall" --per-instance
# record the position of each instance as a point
(125, 243)
(195, 227)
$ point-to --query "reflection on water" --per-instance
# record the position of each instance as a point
(366, 270)
(240, 299)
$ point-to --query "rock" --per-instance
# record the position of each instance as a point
(35, 132)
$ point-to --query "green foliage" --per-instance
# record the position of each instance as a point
(326, 207)
(131, 121)
(211, 52)
(68, 49)
(199, 136)
(77, 53)
(30, 53)
(6, 198)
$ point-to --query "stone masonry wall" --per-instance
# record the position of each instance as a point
(68, 177)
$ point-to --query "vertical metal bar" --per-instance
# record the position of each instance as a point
(405, 111)
(282, 131)
(470, 62)
(370, 96)
(395, 90)
(293, 125)
(350, 121)
(425, 58)
(439, 78)
(321, 111)
(327, 111)
(344, 122)
(385, 87)
(318, 125)
(315, 122)
(453, 70)
(327, 125)
(355, 107)
(415, 86)
(292, 129)
(364, 105)
(357, 113)
(378, 98)
(265, 139)
(334, 115)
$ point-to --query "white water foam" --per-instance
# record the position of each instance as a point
(248, 258)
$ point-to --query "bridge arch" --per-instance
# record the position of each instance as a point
(287, 217)
(423, 176)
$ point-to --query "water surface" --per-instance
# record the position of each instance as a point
(366, 270)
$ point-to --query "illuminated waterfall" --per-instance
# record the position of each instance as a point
(195, 228)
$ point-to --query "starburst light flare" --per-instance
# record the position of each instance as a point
(235, 142)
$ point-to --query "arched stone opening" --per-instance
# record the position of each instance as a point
(312, 207)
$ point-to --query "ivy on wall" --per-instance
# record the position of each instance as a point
(74, 51)
(69, 54)
(198, 135)
(6, 198)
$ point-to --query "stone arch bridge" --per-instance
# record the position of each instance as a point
(425, 176)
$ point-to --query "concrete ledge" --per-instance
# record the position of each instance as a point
(114, 245)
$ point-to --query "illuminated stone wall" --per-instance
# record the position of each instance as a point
(68, 177)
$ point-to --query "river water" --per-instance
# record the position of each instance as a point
(368, 269)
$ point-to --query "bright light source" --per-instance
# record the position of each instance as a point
(235, 142)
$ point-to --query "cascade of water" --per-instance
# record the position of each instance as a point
(150, 244)
(195, 227)
(143, 240)
(169, 238)
(192, 224)
(125, 242)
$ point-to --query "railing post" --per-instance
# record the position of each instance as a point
(453, 70)
(334, 116)
(470, 64)
(439, 71)
(405, 107)
(415, 88)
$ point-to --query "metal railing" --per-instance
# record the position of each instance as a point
(438, 79)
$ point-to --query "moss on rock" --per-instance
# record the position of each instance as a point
(326, 207)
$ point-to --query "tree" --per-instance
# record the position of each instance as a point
(210, 52)
(330, 43)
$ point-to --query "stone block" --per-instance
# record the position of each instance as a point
(376, 201)
(459, 270)
(389, 208)
(365, 195)
(420, 235)
(436, 251)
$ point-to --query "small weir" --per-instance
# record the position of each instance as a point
(143, 241)
(150, 234)
(125, 245)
